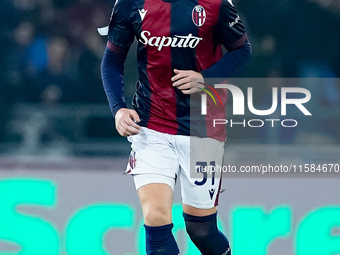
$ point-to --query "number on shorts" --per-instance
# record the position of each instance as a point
(202, 167)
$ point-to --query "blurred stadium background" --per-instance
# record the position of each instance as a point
(62, 190)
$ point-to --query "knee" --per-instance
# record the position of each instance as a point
(196, 233)
(157, 215)
(201, 229)
(205, 235)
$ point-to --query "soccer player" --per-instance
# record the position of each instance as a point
(178, 41)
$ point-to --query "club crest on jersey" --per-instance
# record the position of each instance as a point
(132, 159)
(198, 15)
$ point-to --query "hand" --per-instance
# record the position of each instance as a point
(126, 122)
(188, 81)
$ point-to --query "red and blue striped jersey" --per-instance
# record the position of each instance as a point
(177, 34)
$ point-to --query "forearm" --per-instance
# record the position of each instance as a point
(112, 71)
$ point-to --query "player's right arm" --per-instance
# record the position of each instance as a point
(120, 38)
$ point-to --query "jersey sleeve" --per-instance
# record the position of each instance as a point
(121, 34)
(229, 30)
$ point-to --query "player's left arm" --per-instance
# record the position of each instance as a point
(231, 33)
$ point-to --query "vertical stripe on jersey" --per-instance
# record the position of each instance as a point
(207, 46)
(159, 69)
(141, 100)
(183, 58)
(205, 59)
(182, 25)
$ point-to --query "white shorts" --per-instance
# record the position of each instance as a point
(161, 158)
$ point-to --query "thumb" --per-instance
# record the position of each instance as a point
(135, 115)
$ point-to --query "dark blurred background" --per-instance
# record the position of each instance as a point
(51, 96)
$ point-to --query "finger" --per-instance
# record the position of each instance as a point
(184, 86)
(177, 77)
(131, 130)
(181, 71)
(181, 82)
(177, 71)
(130, 122)
(191, 84)
(125, 133)
(187, 92)
(180, 74)
(190, 91)
(125, 130)
(135, 115)
(122, 126)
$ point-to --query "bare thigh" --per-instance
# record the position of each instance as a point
(156, 200)
(198, 212)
